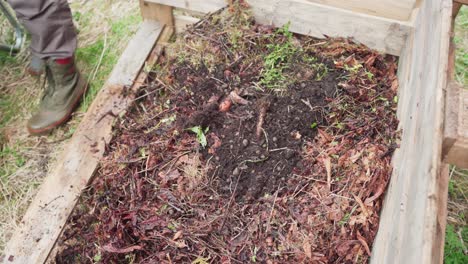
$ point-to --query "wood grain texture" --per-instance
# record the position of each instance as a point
(400, 10)
(158, 12)
(455, 145)
(385, 35)
(181, 22)
(57, 196)
(204, 6)
(317, 20)
(411, 225)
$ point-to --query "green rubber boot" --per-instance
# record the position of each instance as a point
(65, 87)
(36, 66)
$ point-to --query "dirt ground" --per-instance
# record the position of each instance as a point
(248, 144)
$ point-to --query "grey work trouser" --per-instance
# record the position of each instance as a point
(50, 24)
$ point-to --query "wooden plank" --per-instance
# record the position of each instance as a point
(57, 196)
(412, 224)
(308, 18)
(158, 12)
(400, 10)
(455, 145)
(204, 6)
(317, 20)
(181, 22)
(464, 2)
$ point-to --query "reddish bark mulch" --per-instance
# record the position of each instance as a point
(294, 170)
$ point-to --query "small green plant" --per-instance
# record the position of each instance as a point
(278, 59)
(369, 75)
(313, 125)
(321, 71)
(354, 70)
(97, 258)
(454, 246)
(201, 138)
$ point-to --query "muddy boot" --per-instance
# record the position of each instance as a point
(36, 66)
(65, 87)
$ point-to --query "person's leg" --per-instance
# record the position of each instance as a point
(51, 27)
(53, 45)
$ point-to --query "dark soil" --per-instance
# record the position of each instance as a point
(259, 165)
(293, 172)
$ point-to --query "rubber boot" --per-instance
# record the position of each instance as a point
(36, 66)
(65, 87)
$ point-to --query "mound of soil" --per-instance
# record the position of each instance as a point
(225, 158)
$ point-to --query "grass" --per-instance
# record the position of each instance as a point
(104, 28)
(454, 246)
(456, 233)
(278, 59)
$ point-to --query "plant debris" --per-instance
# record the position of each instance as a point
(249, 144)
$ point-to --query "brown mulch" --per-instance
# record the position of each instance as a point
(294, 170)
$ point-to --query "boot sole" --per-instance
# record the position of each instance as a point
(47, 129)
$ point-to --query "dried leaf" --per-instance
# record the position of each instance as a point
(110, 248)
(181, 244)
(363, 242)
(307, 248)
(178, 235)
(361, 204)
(324, 135)
(169, 176)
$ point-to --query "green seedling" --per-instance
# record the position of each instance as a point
(313, 125)
(354, 70)
(278, 59)
(201, 138)
(369, 75)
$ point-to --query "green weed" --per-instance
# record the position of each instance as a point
(278, 59)
(201, 137)
(454, 247)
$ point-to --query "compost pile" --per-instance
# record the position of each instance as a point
(248, 144)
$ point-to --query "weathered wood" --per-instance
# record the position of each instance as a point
(204, 6)
(455, 145)
(57, 196)
(317, 20)
(181, 22)
(400, 10)
(308, 18)
(412, 225)
(158, 12)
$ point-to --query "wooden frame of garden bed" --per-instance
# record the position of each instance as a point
(413, 218)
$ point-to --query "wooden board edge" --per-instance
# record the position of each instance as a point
(383, 8)
(316, 20)
(441, 217)
(204, 6)
(433, 249)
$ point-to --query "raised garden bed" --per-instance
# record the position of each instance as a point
(248, 144)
